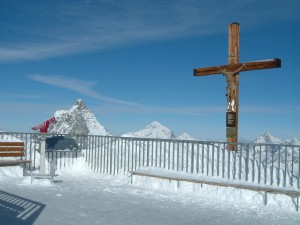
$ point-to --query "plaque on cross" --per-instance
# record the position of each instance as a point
(231, 71)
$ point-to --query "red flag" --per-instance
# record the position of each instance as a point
(43, 127)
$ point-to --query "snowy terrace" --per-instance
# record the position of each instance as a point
(255, 165)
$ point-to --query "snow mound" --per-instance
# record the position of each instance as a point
(11, 171)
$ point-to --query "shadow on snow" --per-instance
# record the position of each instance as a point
(18, 210)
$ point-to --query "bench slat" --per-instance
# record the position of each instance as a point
(11, 144)
(11, 149)
(11, 154)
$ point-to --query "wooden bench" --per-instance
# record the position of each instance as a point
(215, 181)
(12, 149)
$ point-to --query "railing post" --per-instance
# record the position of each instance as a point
(259, 165)
(253, 162)
(42, 154)
(192, 158)
(247, 161)
(285, 167)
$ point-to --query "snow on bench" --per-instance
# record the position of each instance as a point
(216, 181)
(12, 149)
(43, 176)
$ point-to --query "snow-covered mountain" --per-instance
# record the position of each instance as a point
(80, 120)
(267, 138)
(157, 130)
(153, 130)
(185, 136)
(77, 120)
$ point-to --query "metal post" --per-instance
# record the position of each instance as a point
(285, 167)
(218, 160)
(212, 159)
(292, 180)
(42, 154)
(177, 155)
(272, 163)
(253, 163)
(207, 159)
(259, 165)
(192, 157)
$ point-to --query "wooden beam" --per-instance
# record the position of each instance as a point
(12, 154)
(256, 65)
(234, 58)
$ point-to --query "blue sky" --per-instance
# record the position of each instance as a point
(132, 63)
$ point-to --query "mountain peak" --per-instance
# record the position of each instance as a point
(152, 130)
(156, 125)
(268, 138)
(185, 136)
(77, 120)
(80, 104)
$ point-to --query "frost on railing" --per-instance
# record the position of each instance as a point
(270, 164)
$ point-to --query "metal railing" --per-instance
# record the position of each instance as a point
(61, 158)
(265, 164)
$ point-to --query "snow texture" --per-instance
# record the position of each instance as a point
(80, 196)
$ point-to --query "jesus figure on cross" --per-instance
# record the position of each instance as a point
(231, 86)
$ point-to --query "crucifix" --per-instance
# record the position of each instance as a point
(231, 72)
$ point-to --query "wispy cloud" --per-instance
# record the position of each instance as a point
(113, 105)
(77, 27)
(83, 87)
(271, 109)
(60, 28)
(23, 96)
(86, 88)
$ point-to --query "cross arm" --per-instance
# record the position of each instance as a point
(255, 65)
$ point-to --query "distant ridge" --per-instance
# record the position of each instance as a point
(80, 120)
(267, 138)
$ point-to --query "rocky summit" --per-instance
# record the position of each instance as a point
(77, 120)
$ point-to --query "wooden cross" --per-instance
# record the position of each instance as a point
(231, 71)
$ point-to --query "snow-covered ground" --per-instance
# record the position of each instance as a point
(80, 196)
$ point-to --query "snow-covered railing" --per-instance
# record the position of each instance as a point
(269, 164)
(58, 158)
